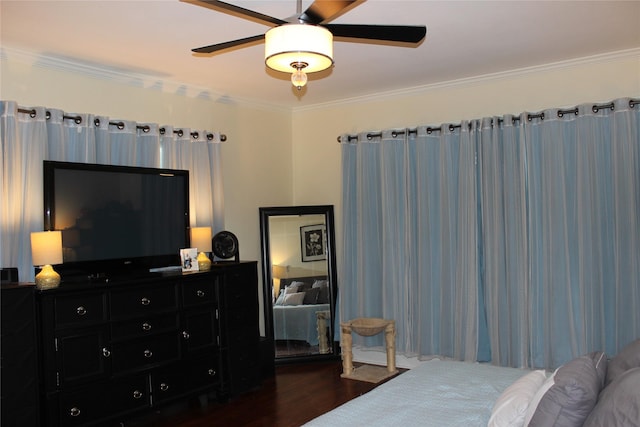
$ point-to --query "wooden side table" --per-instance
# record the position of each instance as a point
(368, 326)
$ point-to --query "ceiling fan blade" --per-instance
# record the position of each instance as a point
(393, 33)
(240, 11)
(324, 10)
(227, 45)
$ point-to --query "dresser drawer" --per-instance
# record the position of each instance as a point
(198, 293)
(98, 401)
(142, 301)
(176, 380)
(242, 320)
(82, 355)
(144, 326)
(80, 310)
(240, 296)
(141, 353)
(199, 331)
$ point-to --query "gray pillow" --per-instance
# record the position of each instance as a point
(574, 392)
(311, 296)
(628, 358)
(619, 402)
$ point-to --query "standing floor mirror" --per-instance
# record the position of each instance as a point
(299, 281)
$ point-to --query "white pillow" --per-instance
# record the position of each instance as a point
(533, 405)
(293, 299)
(510, 407)
(280, 299)
(293, 287)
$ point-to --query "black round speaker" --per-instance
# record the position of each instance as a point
(225, 245)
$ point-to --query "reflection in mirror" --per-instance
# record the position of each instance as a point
(299, 270)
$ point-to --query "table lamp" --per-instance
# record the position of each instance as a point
(201, 240)
(46, 249)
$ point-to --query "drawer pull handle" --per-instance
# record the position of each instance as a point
(146, 326)
(74, 412)
(137, 394)
(164, 386)
(106, 352)
(148, 353)
(145, 301)
(81, 311)
(200, 293)
(211, 372)
(185, 335)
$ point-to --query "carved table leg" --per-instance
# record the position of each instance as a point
(346, 341)
(390, 338)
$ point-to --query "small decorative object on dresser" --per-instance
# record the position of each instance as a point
(201, 240)
(46, 249)
(225, 245)
(189, 258)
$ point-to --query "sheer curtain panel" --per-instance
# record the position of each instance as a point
(34, 134)
(514, 239)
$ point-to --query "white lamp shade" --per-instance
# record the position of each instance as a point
(279, 271)
(46, 247)
(293, 43)
(201, 238)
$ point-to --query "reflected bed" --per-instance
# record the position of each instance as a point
(295, 312)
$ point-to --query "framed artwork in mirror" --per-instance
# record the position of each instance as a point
(313, 242)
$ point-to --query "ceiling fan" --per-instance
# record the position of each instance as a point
(303, 43)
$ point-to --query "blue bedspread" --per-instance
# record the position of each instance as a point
(436, 393)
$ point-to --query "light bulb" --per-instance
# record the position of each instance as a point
(299, 78)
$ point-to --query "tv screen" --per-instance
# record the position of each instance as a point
(116, 219)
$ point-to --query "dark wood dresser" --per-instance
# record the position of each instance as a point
(19, 361)
(109, 351)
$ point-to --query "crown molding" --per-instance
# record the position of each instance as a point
(417, 90)
(143, 79)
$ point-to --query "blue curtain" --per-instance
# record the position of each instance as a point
(514, 239)
(30, 135)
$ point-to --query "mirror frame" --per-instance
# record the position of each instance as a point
(267, 279)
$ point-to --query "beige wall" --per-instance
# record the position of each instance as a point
(315, 130)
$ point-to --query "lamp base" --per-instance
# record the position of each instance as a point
(204, 263)
(47, 278)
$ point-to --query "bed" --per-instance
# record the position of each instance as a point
(589, 390)
(295, 311)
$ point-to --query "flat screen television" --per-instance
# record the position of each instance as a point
(116, 220)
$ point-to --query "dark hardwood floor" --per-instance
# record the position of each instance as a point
(296, 394)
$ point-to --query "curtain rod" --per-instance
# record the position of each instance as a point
(394, 133)
(120, 125)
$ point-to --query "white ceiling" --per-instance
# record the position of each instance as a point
(150, 42)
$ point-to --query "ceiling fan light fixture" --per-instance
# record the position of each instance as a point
(289, 45)
(299, 77)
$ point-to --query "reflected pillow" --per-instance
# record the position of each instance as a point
(323, 295)
(293, 287)
(280, 299)
(311, 296)
(320, 283)
(293, 299)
